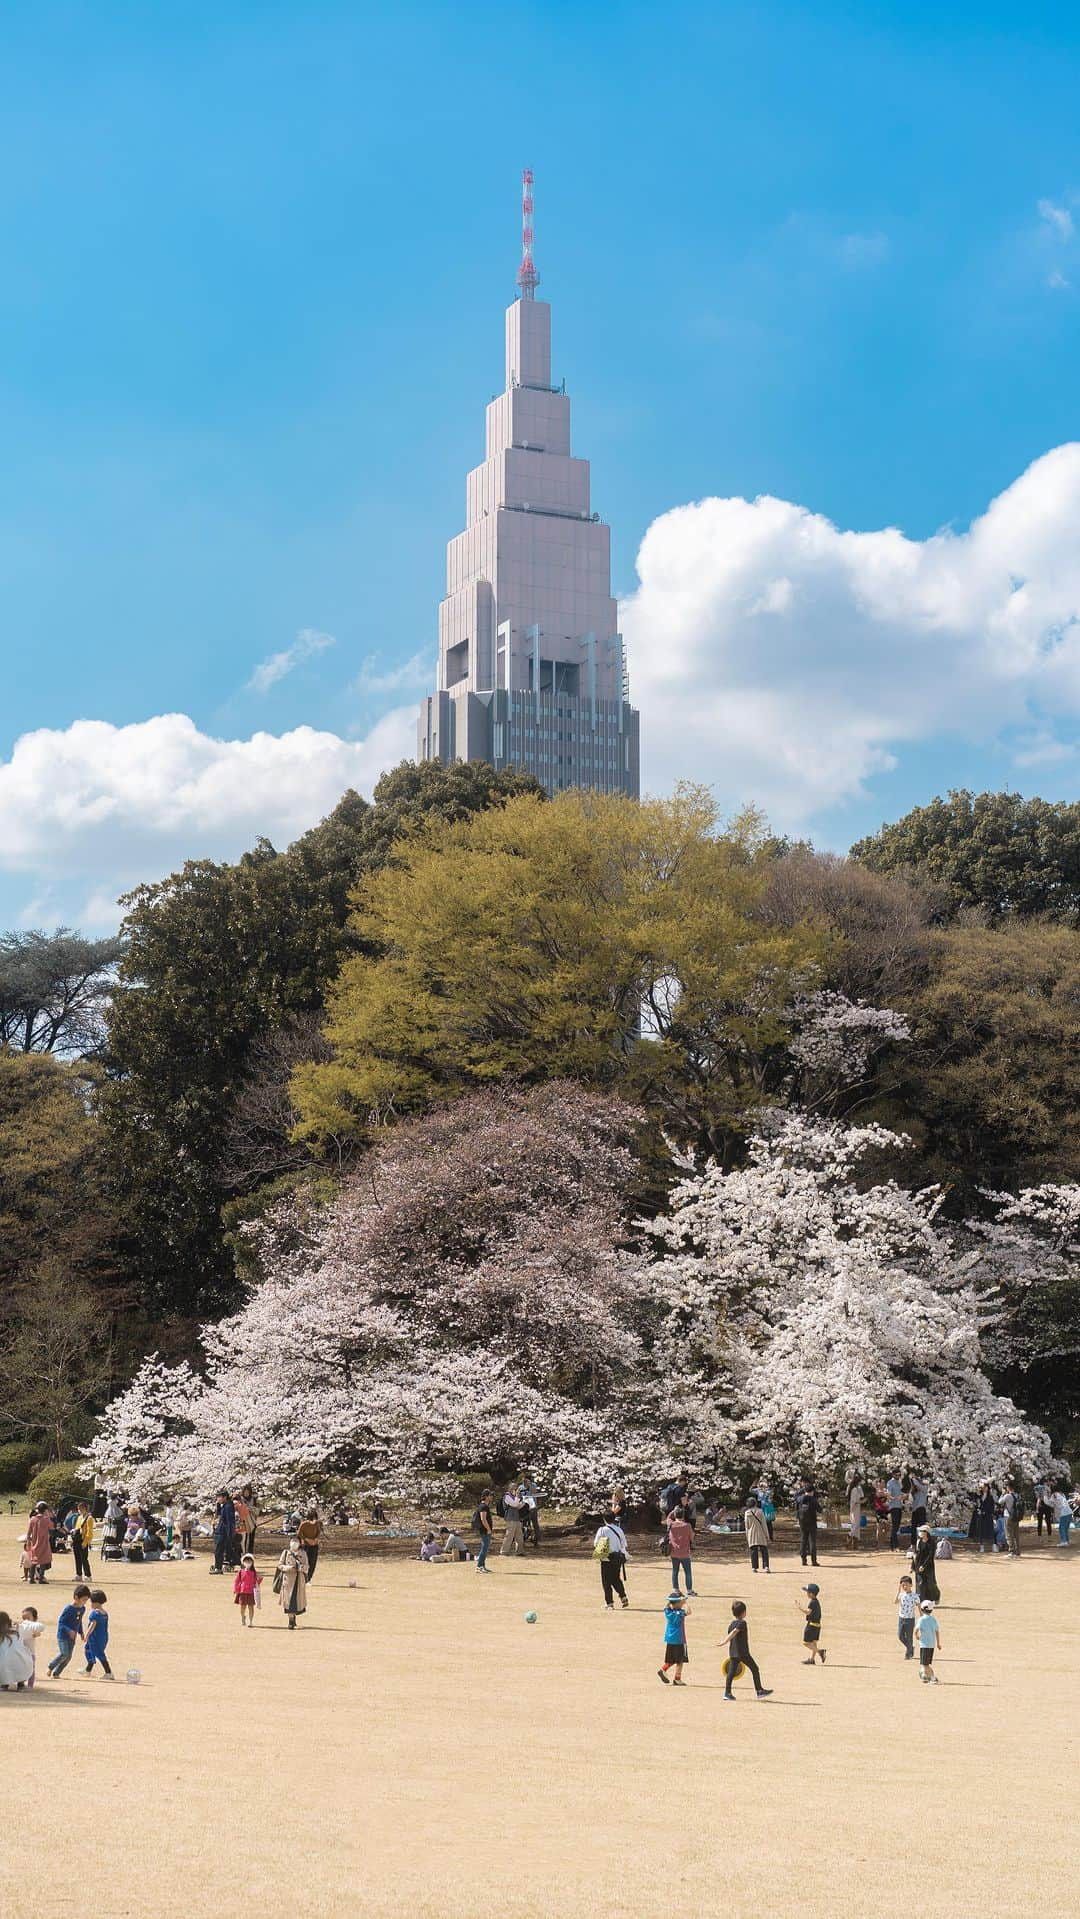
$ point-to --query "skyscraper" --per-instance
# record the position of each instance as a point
(531, 666)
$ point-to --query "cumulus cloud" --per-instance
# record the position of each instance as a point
(109, 805)
(308, 642)
(786, 660)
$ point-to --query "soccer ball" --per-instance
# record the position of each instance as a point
(133, 1675)
(352, 1583)
(530, 1619)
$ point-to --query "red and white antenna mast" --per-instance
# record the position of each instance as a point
(528, 279)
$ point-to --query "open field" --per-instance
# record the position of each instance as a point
(416, 1748)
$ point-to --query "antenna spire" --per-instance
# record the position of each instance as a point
(528, 279)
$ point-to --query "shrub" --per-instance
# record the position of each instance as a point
(66, 1478)
(18, 1463)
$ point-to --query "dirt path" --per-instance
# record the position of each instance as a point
(417, 1748)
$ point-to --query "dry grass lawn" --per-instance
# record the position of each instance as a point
(416, 1748)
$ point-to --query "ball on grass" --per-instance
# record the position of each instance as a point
(530, 1619)
(133, 1675)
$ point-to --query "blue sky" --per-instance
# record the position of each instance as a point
(254, 261)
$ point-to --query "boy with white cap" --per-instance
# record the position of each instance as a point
(929, 1642)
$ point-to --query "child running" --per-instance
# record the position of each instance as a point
(929, 1642)
(69, 1628)
(812, 1629)
(905, 1616)
(97, 1635)
(30, 1631)
(738, 1653)
(246, 1589)
(676, 1613)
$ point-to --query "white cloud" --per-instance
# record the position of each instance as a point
(415, 673)
(110, 805)
(786, 661)
(308, 642)
(1058, 220)
(858, 250)
(1056, 279)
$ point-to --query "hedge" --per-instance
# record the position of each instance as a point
(68, 1478)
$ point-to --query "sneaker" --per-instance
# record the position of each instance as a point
(677, 1682)
(690, 1593)
(661, 1674)
(764, 1692)
(729, 1699)
(108, 1675)
(626, 1605)
(821, 1654)
(808, 1662)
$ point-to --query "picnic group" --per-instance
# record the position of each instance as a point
(890, 1513)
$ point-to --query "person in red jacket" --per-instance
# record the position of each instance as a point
(680, 1532)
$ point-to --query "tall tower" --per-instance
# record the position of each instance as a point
(531, 666)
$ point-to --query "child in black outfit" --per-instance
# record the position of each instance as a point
(812, 1629)
(738, 1648)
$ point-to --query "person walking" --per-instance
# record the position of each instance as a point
(224, 1532)
(757, 1534)
(309, 1533)
(513, 1539)
(82, 1538)
(39, 1528)
(680, 1534)
(484, 1528)
(248, 1529)
(676, 1653)
(246, 1589)
(925, 1572)
(906, 1608)
(738, 1653)
(807, 1508)
(894, 1492)
(290, 1581)
(856, 1493)
(611, 1550)
(1009, 1506)
(1063, 1513)
(984, 1518)
(811, 1613)
(530, 1509)
(929, 1641)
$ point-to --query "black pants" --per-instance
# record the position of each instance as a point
(1041, 1513)
(918, 1518)
(611, 1577)
(764, 1551)
(223, 1550)
(81, 1557)
(895, 1516)
(808, 1541)
(751, 1667)
(312, 1561)
(185, 1538)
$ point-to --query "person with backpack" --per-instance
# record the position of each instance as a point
(611, 1552)
(484, 1528)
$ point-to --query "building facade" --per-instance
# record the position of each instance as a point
(531, 669)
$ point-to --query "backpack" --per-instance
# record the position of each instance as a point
(1019, 1509)
(602, 1547)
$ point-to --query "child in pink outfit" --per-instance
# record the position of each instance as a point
(246, 1589)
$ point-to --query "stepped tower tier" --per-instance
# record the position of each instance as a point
(531, 667)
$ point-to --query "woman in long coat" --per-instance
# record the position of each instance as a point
(293, 1569)
(39, 1542)
(926, 1585)
(984, 1517)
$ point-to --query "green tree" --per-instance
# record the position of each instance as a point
(218, 956)
(995, 851)
(589, 938)
(52, 1168)
(989, 1082)
(54, 990)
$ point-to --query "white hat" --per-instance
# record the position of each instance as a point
(926, 1605)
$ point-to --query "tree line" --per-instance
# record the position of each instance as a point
(258, 1025)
